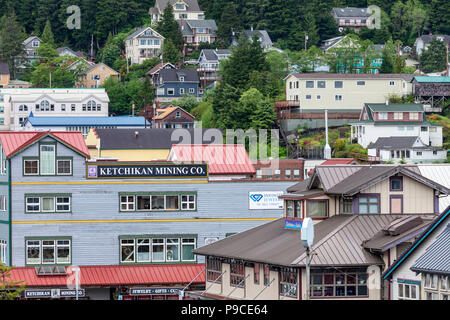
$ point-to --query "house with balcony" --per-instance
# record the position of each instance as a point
(143, 44)
(176, 83)
(407, 149)
(197, 31)
(368, 215)
(208, 64)
(182, 9)
(352, 18)
(378, 120)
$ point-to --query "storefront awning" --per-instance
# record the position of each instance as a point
(93, 276)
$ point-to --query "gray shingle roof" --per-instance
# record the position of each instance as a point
(4, 68)
(211, 54)
(436, 258)
(262, 35)
(351, 12)
(172, 75)
(338, 242)
(393, 143)
(147, 138)
(190, 24)
(192, 5)
(427, 38)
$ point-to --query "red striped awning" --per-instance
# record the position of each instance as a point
(115, 275)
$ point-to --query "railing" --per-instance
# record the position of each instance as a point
(287, 103)
(365, 157)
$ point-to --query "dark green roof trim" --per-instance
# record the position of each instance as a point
(395, 107)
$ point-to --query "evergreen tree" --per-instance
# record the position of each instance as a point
(9, 289)
(11, 40)
(170, 52)
(433, 59)
(388, 57)
(170, 29)
(440, 16)
(47, 34)
(147, 94)
(228, 24)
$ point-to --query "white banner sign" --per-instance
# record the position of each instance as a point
(265, 200)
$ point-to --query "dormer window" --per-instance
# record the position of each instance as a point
(45, 105)
(181, 78)
(180, 6)
(148, 33)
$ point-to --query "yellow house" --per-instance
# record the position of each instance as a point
(129, 144)
(97, 75)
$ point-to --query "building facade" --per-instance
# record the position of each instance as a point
(143, 44)
(18, 103)
(97, 75)
(176, 83)
(318, 91)
(182, 9)
(378, 120)
(64, 210)
(352, 18)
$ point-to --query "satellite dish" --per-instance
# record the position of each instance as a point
(307, 233)
(341, 29)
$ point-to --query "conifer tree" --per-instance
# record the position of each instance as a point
(47, 34)
(11, 40)
(170, 29)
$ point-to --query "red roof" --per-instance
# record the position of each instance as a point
(116, 275)
(337, 161)
(13, 142)
(221, 158)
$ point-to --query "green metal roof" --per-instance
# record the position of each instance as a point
(432, 79)
(395, 107)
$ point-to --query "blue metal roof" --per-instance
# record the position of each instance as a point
(121, 121)
(436, 258)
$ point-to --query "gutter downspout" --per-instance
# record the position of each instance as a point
(389, 282)
(10, 211)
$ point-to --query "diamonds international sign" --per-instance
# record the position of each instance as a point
(145, 170)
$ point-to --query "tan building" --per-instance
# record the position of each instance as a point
(4, 75)
(143, 44)
(97, 75)
(365, 216)
(333, 91)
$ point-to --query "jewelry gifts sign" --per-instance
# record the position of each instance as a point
(265, 200)
(145, 170)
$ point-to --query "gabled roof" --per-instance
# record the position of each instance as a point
(160, 66)
(190, 24)
(4, 68)
(388, 143)
(262, 35)
(15, 142)
(192, 5)
(439, 173)
(436, 258)
(95, 66)
(221, 158)
(212, 54)
(418, 242)
(338, 242)
(29, 39)
(427, 38)
(395, 107)
(169, 111)
(77, 54)
(141, 30)
(172, 75)
(351, 12)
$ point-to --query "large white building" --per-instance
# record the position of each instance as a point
(17, 104)
(379, 120)
(143, 44)
(335, 91)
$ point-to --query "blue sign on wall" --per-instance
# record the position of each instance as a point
(293, 224)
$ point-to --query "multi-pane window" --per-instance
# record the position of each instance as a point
(266, 274)
(155, 250)
(317, 208)
(47, 159)
(398, 115)
(408, 291)
(47, 203)
(339, 84)
(237, 274)
(158, 202)
(347, 206)
(369, 204)
(382, 115)
(293, 209)
(338, 97)
(3, 251)
(213, 270)
(127, 203)
(431, 281)
(188, 202)
(338, 284)
(31, 167)
(288, 282)
(64, 167)
(48, 251)
(396, 183)
(413, 116)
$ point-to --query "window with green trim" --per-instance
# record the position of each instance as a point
(48, 251)
(51, 203)
(47, 159)
(170, 201)
(157, 249)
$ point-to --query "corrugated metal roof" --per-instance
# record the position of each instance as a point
(439, 173)
(338, 242)
(436, 258)
(13, 142)
(334, 161)
(332, 175)
(221, 158)
(121, 121)
(117, 275)
(432, 79)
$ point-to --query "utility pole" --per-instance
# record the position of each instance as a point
(306, 39)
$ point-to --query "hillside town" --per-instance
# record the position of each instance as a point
(187, 149)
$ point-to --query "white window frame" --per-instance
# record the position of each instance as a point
(31, 174)
(341, 98)
(170, 90)
(131, 243)
(147, 243)
(38, 246)
(42, 204)
(54, 163)
(403, 287)
(183, 243)
(166, 249)
(128, 203)
(191, 90)
(188, 202)
(33, 204)
(2, 203)
(163, 244)
(63, 204)
(382, 115)
(181, 90)
(3, 250)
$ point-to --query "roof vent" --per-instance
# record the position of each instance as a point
(51, 271)
(136, 133)
(399, 226)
